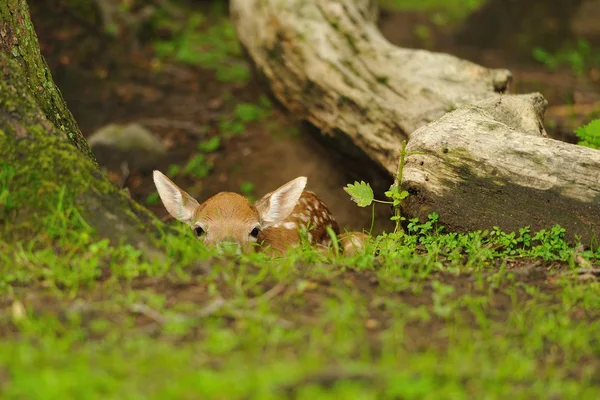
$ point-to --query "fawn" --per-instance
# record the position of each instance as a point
(230, 221)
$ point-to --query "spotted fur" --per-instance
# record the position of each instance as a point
(310, 213)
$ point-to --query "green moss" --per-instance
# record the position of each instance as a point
(46, 163)
(20, 41)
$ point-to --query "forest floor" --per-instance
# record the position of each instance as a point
(431, 315)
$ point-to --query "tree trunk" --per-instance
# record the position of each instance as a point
(327, 63)
(545, 23)
(489, 164)
(42, 151)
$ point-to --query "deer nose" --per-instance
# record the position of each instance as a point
(229, 247)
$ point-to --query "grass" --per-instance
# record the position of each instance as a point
(428, 315)
(442, 11)
(419, 315)
(207, 40)
(579, 57)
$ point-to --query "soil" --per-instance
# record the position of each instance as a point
(105, 80)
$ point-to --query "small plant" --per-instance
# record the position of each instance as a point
(244, 114)
(211, 145)
(8, 203)
(152, 199)
(589, 134)
(362, 193)
(198, 166)
(208, 46)
(579, 58)
(446, 11)
(247, 189)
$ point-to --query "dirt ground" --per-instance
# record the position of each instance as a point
(105, 82)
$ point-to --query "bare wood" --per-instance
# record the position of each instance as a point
(487, 165)
(327, 63)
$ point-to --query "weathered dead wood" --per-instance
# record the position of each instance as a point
(489, 164)
(328, 64)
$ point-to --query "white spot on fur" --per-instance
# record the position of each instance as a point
(289, 225)
(310, 238)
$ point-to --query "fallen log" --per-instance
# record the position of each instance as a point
(489, 164)
(486, 163)
(326, 62)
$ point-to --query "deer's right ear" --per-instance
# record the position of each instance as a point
(276, 206)
(177, 202)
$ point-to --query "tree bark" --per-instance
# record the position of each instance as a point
(42, 151)
(18, 40)
(490, 164)
(327, 63)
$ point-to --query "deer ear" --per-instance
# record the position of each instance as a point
(177, 202)
(279, 204)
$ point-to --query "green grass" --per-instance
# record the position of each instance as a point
(442, 11)
(579, 57)
(428, 315)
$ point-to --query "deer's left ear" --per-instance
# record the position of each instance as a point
(177, 202)
(279, 204)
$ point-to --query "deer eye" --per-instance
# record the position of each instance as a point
(198, 231)
(254, 233)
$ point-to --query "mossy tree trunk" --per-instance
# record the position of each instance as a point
(19, 41)
(42, 150)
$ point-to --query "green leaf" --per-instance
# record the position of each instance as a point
(361, 193)
(590, 134)
(152, 199)
(210, 145)
(247, 187)
(173, 170)
(247, 112)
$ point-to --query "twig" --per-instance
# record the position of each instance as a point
(254, 315)
(166, 218)
(268, 295)
(125, 172)
(146, 311)
(212, 307)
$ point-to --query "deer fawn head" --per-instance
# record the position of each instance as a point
(229, 220)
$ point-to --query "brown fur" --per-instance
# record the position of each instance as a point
(310, 212)
(230, 216)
